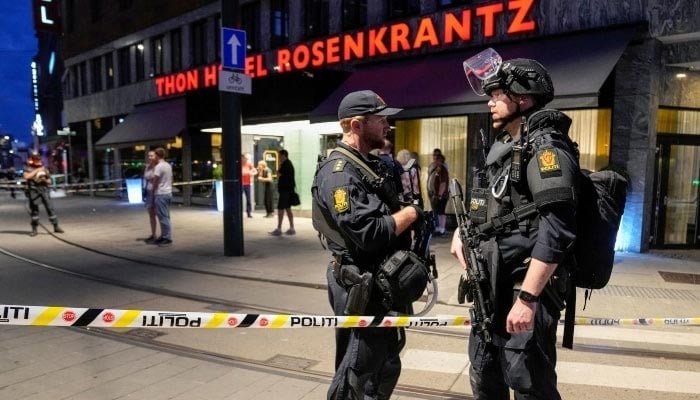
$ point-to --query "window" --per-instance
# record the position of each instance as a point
(199, 43)
(452, 3)
(83, 78)
(95, 10)
(176, 50)
(316, 18)
(96, 69)
(138, 52)
(279, 14)
(403, 8)
(157, 56)
(70, 16)
(109, 69)
(250, 17)
(217, 38)
(354, 14)
(124, 67)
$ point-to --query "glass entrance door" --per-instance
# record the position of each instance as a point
(676, 200)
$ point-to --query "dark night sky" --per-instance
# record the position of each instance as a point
(18, 45)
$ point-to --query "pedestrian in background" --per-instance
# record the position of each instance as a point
(410, 178)
(362, 229)
(386, 153)
(38, 180)
(248, 171)
(285, 188)
(265, 176)
(439, 193)
(163, 189)
(150, 195)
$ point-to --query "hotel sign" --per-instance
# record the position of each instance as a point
(432, 32)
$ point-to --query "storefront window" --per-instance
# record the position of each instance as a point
(422, 136)
(591, 130)
(83, 79)
(685, 122)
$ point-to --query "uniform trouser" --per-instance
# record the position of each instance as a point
(367, 363)
(35, 197)
(162, 204)
(525, 363)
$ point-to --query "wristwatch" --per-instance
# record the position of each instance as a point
(528, 297)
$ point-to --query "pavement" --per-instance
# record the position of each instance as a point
(636, 290)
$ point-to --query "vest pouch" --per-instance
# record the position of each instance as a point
(402, 278)
(478, 205)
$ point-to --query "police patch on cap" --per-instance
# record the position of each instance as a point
(548, 161)
(341, 202)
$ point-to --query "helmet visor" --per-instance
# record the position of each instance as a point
(480, 67)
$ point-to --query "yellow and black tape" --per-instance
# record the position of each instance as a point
(114, 318)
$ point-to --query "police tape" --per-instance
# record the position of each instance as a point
(114, 318)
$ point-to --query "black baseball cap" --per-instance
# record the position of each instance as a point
(364, 102)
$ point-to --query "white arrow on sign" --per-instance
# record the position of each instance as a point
(234, 43)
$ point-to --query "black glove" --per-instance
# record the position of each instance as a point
(420, 216)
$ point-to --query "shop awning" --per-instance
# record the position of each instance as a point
(436, 85)
(148, 124)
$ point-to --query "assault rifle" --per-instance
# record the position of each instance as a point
(474, 284)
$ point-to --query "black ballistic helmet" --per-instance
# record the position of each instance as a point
(522, 76)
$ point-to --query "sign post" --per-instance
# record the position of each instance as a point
(233, 48)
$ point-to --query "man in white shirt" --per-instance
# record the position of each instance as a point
(163, 190)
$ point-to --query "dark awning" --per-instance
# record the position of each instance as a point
(436, 85)
(148, 123)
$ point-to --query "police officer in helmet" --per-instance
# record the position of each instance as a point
(38, 180)
(356, 208)
(531, 160)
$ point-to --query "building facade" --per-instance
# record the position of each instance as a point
(146, 73)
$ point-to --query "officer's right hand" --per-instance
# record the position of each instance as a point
(420, 216)
(456, 248)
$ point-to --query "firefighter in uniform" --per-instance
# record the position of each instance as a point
(38, 179)
(531, 160)
(363, 224)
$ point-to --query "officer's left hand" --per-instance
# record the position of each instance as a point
(521, 317)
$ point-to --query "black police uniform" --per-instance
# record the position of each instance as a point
(39, 193)
(526, 362)
(367, 359)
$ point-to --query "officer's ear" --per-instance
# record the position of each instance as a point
(356, 123)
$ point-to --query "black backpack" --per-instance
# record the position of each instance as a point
(601, 204)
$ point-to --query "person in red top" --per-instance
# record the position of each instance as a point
(247, 172)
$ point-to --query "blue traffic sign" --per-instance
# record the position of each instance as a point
(233, 48)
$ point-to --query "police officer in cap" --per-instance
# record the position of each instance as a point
(356, 208)
(38, 180)
(531, 160)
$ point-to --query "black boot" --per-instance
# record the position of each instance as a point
(57, 229)
(33, 232)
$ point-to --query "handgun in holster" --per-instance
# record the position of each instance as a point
(359, 286)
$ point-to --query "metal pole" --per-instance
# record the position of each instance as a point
(230, 112)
